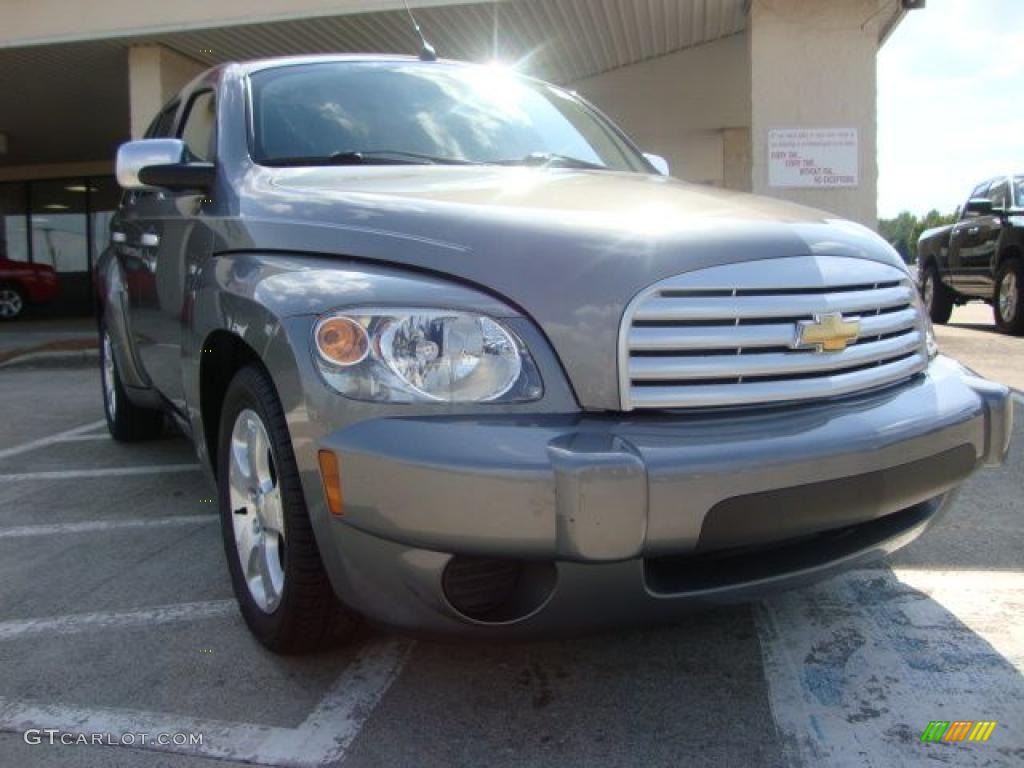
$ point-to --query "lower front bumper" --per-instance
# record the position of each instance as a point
(626, 518)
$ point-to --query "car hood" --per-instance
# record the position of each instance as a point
(567, 248)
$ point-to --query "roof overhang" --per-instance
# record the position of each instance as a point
(65, 64)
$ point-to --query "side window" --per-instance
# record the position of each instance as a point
(200, 128)
(999, 195)
(161, 126)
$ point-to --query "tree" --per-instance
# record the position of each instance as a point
(903, 231)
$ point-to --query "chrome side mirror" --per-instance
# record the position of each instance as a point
(133, 156)
(660, 163)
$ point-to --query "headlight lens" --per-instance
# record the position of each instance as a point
(424, 355)
(930, 342)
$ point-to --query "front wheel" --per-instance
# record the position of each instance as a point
(275, 565)
(1006, 303)
(938, 299)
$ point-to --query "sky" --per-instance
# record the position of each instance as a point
(950, 103)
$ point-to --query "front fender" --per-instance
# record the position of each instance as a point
(272, 302)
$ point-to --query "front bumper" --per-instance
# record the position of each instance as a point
(630, 517)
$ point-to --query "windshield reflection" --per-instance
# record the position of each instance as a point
(360, 112)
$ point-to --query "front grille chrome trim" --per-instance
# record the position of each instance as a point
(724, 335)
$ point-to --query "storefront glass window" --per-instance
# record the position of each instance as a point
(59, 225)
(13, 232)
(104, 196)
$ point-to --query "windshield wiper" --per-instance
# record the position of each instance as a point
(554, 160)
(369, 157)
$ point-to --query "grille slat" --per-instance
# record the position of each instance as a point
(772, 363)
(669, 338)
(693, 341)
(666, 309)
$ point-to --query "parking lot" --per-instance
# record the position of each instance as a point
(117, 617)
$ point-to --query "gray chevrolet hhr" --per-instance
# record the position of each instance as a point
(460, 357)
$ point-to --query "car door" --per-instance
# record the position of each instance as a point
(174, 242)
(965, 240)
(983, 258)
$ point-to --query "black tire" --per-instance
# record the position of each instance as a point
(1009, 314)
(12, 301)
(126, 421)
(938, 301)
(307, 616)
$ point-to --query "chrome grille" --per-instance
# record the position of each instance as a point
(727, 335)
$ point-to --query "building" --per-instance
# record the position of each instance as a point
(771, 96)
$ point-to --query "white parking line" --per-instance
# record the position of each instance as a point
(323, 737)
(331, 728)
(858, 666)
(75, 474)
(44, 441)
(84, 438)
(93, 526)
(84, 622)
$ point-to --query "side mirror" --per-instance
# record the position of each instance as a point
(978, 206)
(660, 163)
(160, 164)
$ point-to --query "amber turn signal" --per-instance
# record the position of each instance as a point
(332, 481)
(342, 341)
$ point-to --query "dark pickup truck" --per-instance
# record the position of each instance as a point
(981, 256)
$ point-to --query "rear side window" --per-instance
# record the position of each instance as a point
(200, 128)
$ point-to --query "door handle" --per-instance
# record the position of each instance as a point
(149, 240)
(118, 237)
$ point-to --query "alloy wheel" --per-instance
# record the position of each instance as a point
(928, 291)
(257, 511)
(1008, 297)
(109, 378)
(10, 303)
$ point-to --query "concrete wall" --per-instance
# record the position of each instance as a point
(155, 74)
(813, 66)
(689, 106)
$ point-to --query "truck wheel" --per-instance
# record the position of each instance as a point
(1006, 302)
(938, 299)
(127, 422)
(276, 570)
(12, 302)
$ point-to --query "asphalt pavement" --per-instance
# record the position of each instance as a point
(117, 617)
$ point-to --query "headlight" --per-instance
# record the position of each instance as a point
(424, 355)
(930, 342)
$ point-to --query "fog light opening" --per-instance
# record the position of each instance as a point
(497, 591)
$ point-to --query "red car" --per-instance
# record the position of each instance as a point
(22, 282)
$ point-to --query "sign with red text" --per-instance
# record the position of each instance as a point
(812, 157)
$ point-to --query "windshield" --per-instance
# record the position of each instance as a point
(1018, 191)
(415, 112)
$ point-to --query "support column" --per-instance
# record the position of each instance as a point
(155, 74)
(812, 65)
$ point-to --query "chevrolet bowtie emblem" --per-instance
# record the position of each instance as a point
(827, 333)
